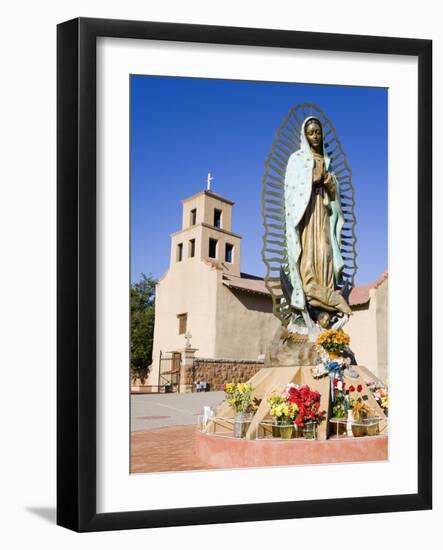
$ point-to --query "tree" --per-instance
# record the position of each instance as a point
(142, 325)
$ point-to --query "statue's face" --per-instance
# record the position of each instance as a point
(313, 134)
(324, 319)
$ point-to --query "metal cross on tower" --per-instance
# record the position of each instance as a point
(208, 181)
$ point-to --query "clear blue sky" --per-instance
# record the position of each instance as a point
(182, 128)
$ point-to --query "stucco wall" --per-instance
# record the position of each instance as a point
(190, 287)
(368, 329)
(245, 324)
(222, 239)
(204, 203)
(202, 234)
(361, 329)
(381, 294)
(223, 323)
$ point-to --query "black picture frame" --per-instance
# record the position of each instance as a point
(76, 265)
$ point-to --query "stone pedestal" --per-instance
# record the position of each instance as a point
(186, 364)
(274, 380)
(284, 365)
(288, 352)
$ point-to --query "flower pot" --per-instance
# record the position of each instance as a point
(286, 432)
(241, 424)
(358, 430)
(275, 430)
(309, 430)
(372, 428)
(340, 428)
(298, 431)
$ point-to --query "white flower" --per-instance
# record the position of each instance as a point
(340, 385)
(319, 370)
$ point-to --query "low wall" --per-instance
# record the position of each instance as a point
(218, 372)
(227, 452)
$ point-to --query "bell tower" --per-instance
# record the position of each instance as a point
(206, 233)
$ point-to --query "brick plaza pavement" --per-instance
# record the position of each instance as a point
(168, 449)
(163, 428)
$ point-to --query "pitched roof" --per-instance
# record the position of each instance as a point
(246, 282)
(360, 294)
(250, 283)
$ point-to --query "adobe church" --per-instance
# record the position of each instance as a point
(228, 313)
(205, 303)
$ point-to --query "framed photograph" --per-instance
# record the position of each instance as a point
(244, 274)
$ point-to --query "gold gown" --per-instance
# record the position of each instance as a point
(316, 261)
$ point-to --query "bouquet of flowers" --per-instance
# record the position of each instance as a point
(380, 394)
(308, 404)
(281, 410)
(239, 396)
(340, 404)
(284, 414)
(360, 409)
(333, 341)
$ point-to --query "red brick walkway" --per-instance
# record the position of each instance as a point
(170, 449)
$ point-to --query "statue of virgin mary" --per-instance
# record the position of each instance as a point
(314, 221)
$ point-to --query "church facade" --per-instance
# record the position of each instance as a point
(205, 303)
(226, 314)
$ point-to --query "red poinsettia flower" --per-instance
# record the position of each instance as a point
(359, 388)
(308, 403)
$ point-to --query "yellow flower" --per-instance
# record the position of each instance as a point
(333, 338)
(274, 400)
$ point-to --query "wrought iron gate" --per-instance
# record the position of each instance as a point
(169, 372)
